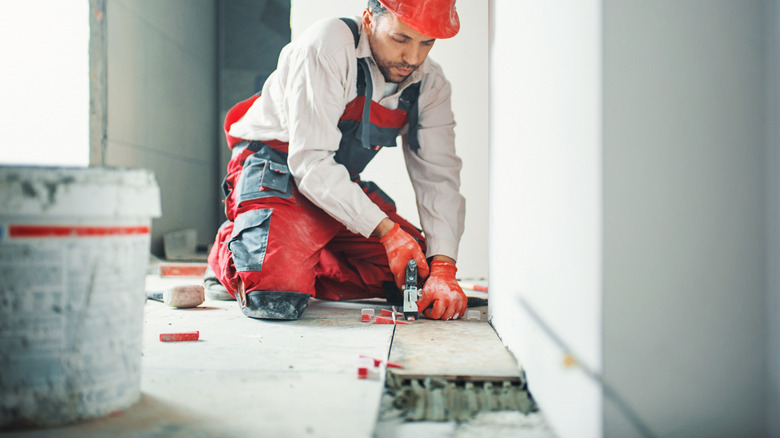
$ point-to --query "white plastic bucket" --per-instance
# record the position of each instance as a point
(74, 247)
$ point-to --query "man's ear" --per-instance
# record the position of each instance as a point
(368, 22)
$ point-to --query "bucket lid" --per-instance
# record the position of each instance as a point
(78, 192)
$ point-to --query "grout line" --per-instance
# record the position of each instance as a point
(392, 338)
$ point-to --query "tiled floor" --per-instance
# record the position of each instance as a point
(247, 377)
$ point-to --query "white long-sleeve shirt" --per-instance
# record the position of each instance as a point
(302, 102)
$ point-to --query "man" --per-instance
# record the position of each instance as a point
(301, 223)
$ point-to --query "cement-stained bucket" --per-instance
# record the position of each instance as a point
(74, 246)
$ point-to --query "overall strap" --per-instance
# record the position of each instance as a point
(353, 27)
(361, 81)
(364, 85)
(365, 133)
(408, 101)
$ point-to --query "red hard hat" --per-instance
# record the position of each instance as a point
(433, 18)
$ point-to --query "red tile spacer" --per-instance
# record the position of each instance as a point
(378, 362)
(182, 269)
(365, 318)
(373, 359)
(385, 320)
(385, 312)
(175, 337)
(362, 373)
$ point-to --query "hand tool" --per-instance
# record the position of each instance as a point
(179, 296)
(411, 293)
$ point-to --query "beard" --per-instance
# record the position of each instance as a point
(387, 70)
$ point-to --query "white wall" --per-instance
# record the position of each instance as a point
(643, 227)
(685, 216)
(45, 83)
(545, 200)
(465, 62)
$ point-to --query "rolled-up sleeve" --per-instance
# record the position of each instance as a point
(434, 170)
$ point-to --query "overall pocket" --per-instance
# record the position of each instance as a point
(249, 239)
(261, 178)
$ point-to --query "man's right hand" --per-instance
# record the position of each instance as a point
(400, 248)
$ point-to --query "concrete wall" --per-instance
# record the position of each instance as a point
(642, 236)
(545, 201)
(251, 33)
(465, 61)
(161, 113)
(773, 223)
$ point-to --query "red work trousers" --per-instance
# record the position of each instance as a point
(290, 244)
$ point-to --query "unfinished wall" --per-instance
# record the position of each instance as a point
(469, 77)
(772, 18)
(251, 33)
(161, 105)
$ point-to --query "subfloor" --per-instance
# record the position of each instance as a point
(246, 378)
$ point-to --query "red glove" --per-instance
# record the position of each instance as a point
(401, 247)
(442, 297)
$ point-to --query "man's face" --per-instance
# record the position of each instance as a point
(397, 48)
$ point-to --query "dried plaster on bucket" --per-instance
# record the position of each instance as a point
(74, 245)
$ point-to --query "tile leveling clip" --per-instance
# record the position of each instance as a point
(411, 293)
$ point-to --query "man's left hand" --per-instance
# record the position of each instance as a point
(442, 297)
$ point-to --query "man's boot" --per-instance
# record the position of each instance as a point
(214, 289)
(264, 304)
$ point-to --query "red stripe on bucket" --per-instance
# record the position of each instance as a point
(72, 231)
